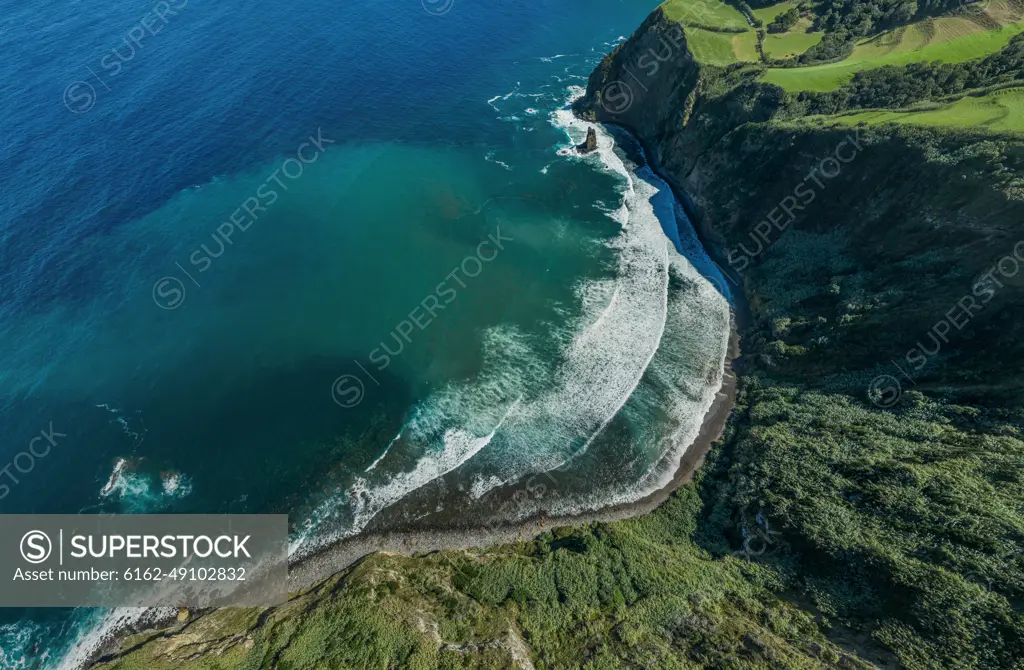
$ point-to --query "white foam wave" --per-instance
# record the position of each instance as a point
(139, 492)
(481, 485)
(489, 156)
(368, 500)
(95, 633)
(610, 344)
(386, 450)
(621, 331)
(23, 646)
(137, 435)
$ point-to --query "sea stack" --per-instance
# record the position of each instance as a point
(590, 144)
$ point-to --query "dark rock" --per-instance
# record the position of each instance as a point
(590, 144)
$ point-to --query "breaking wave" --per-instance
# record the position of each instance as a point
(646, 345)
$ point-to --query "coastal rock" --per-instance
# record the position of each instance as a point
(589, 144)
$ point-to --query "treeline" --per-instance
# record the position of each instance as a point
(845, 21)
(899, 86)
(860, 18)
(784, 21)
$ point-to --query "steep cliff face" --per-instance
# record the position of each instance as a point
(652, 85)
(679, 108)
(865, 235)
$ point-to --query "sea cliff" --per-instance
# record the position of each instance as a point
(891, 206)
(883, 265)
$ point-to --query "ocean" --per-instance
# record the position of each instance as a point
(335, 261)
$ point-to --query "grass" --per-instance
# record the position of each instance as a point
(791, 43)
(867, 56)
(705, 13)
(722, 48)
(710, 46)
(947, 39)
(768, 14)
(744, 46)
(1001, 110)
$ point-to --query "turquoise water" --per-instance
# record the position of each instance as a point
(341, 264)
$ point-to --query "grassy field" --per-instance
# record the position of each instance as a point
(949, 39)
(707, 13)
(768, 14)
(868, 55)
(1001, 110)
(791, 43)
(710, 46)
(744, 46)
(722, 48)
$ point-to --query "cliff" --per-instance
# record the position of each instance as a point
(909, 219)
(653, 85)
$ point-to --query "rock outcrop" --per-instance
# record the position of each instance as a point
(589, 144)
(679, 107)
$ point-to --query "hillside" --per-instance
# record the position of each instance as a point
(865, 507)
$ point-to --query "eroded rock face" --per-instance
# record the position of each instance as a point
(652, 85)
(589, 144)
(647, 84)
(681, 108)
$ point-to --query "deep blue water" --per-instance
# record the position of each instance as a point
(128, 139)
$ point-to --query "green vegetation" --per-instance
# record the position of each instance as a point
(722, 48)
(893, 87)
(784, 21)
(744, 46)
(711, 13)
(999, 111)
(605, 596)
(790, 44)
(906, 521)
(874, 54)
(767, 14)
(716, 32)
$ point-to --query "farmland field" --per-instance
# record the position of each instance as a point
(768, 14)
(998, 111)
(737, 42)
(791, 43)
(708, 13)
(868, 56)
(947, 39)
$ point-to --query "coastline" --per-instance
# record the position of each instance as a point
(345, 553)
(349, 551)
